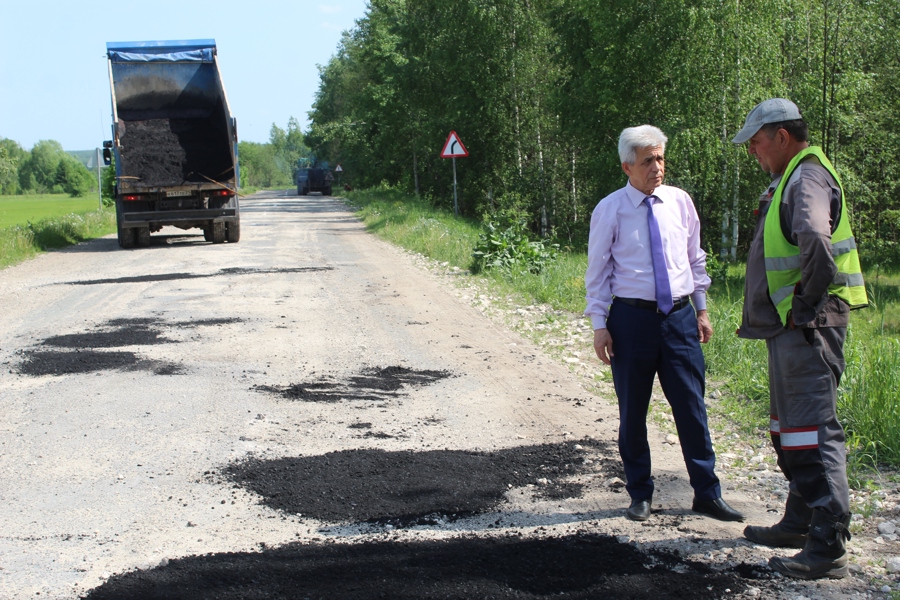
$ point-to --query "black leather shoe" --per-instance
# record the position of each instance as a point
(717, 509)
(639, 510)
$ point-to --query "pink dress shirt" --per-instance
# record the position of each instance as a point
(619, 261)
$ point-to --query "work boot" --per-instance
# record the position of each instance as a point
(825, 552)
(790, 532)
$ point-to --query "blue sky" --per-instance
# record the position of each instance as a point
(54, 83)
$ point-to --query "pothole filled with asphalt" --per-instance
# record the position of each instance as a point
(180, 276)
(371, 384)
(406, 488)
(577, 566)
(88, 351)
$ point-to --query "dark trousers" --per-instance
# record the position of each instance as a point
(647, 344)
(805, 369)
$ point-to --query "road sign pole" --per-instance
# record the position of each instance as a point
(99, 184)
(455, 203)
(453, 147)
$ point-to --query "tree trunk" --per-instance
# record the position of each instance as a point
(415, 168)
(540, 150)
(574, 195)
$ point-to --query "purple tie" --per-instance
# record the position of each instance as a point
(660, 272)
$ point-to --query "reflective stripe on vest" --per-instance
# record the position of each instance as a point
(783, 257)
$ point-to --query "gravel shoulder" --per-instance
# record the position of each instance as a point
(152, 400)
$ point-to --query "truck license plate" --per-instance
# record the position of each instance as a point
(175, 194)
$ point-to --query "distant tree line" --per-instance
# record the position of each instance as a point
(46, 169)
(539, 90)
(273, 164)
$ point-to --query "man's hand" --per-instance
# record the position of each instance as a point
(704, 327)
(603, 345)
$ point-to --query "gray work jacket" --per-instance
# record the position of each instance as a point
(810, 209)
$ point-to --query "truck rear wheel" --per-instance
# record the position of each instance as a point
(142, 235)
(233, 231)
(214, 232)
(125, 236)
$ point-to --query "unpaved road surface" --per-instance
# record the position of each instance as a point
(311, 414)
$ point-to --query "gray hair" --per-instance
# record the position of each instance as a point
(635, 138)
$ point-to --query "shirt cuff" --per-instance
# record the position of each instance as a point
(698, 299)
(598, 322)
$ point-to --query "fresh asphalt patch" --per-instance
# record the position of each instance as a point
(178, 276)
(407, 488)
(114, 333)
(55, 362)
(371, 384)
(577, 566)
(87, 351)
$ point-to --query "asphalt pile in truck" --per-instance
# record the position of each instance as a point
(174, 151)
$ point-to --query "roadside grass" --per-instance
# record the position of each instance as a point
(869, 398)
(415, 225)
(30, 225)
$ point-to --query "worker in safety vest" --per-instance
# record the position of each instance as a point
(803, 278)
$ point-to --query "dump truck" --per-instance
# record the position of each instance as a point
(174, 141)
(316, 178)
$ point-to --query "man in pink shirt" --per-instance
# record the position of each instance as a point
(646, 276)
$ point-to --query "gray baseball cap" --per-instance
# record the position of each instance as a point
(774, 110)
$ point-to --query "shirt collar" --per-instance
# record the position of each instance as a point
(776, 179)
(636, 196)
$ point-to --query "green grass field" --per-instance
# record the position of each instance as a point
(19, 210)
(32, 224)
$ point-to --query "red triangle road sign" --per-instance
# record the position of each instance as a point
(453, 147)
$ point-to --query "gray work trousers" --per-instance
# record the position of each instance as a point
(805, 368)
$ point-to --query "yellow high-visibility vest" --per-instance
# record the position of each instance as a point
(783, 256)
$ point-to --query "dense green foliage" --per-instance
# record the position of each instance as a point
(47, 168)
(510, 249)
(539, 91)
(868, 404)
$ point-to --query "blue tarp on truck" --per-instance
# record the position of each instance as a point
(174, 141)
